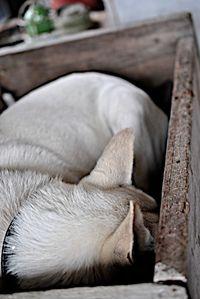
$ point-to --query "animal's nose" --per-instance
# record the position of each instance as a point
(150, 244)
(9, 281)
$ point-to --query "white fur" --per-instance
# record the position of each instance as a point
(93, 107)
(68, 233)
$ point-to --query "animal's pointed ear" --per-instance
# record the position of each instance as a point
(115, 166)
(118, 247)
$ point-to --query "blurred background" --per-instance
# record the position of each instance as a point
(26, 21)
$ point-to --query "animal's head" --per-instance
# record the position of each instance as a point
(77, 234)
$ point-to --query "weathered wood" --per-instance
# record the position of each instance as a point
(193, 264)
(141, 291)
(171, 251)
(143, 53)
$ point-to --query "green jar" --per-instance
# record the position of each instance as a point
(37, 20)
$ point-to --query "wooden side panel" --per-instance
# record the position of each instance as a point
(143, 53)
(171, 251)
(193, 265)
(139, 291)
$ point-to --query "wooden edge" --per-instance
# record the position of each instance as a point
(144, 26)
(193, 265)
(138, 291)
(171, 249)
(141, 53)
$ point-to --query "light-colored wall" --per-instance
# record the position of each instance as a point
(130, 11)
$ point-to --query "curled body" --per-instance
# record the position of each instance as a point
(66, 161)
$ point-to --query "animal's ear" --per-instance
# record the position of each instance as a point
(115, 165)
(118, 248)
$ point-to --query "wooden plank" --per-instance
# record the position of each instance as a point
(193, 264)
(141, 291)
(143, 53)
(130, 11)
(171, 251)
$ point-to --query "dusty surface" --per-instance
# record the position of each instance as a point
(193, 265)
(173, 228)
(143, 53)
(141, 291)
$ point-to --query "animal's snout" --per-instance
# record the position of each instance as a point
(8, 280)
(150, 246)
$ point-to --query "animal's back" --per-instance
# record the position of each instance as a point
(75, 117)
(63, 128)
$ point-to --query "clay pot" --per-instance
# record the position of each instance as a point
(91, 4)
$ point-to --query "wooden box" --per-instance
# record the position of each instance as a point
(151, 54)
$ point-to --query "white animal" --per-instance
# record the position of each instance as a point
(72, 222)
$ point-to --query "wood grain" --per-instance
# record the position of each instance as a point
(171, 251)
(142, 53)
(141, 291)
(193, 262)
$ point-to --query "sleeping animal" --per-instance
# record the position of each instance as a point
(68, 150)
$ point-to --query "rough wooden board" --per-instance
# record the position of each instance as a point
(154, 70)
(143, 53)
(175, 20)
(193, 264)
(173, 227)
(141, 291)
(127, 11)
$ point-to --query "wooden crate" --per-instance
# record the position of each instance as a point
(150, 54)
